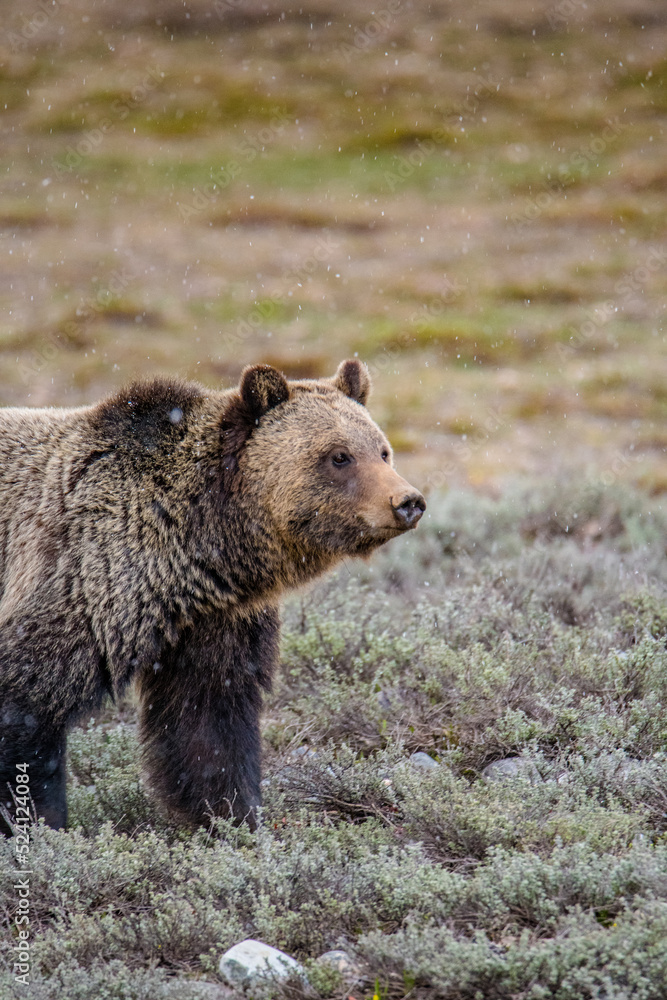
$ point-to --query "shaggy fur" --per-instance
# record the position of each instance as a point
(150, 537)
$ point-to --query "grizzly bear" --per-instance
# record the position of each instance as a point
(150, 537)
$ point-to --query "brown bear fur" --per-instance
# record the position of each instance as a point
(150, 536)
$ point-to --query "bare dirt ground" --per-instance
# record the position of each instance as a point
(469, 196)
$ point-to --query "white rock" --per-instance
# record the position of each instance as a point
(250, 960)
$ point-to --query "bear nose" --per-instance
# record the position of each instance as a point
(409, 509)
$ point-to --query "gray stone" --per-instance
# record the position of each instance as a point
(341, 962)
(422, 761)
(304, 751)
(251, 960)
(199, 990)
(512, 767)
(384, 700)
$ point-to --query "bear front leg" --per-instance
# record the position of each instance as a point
(50, 672)
(44, 756)
(48, 784)
(200, 717)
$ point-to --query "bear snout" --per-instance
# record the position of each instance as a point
(408, 509)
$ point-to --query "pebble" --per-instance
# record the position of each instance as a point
(423, 761)
(384, 700)
(512, 767)
(304, 751)
(200, 990)
(341, 962)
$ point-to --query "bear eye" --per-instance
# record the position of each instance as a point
(385, 455)
(340, 458)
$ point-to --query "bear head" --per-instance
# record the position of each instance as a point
(323, 468)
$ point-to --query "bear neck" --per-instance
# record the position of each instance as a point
(248, 559)
(238, 554)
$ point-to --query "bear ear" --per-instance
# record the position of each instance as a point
(263, 387)
(353, 379)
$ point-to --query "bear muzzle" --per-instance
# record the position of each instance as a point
(392, 505)
(408, 509)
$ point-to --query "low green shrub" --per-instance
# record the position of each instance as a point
(492, 632)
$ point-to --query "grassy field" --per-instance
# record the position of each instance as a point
(471, 197)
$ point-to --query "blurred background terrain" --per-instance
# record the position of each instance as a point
(468, 196)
